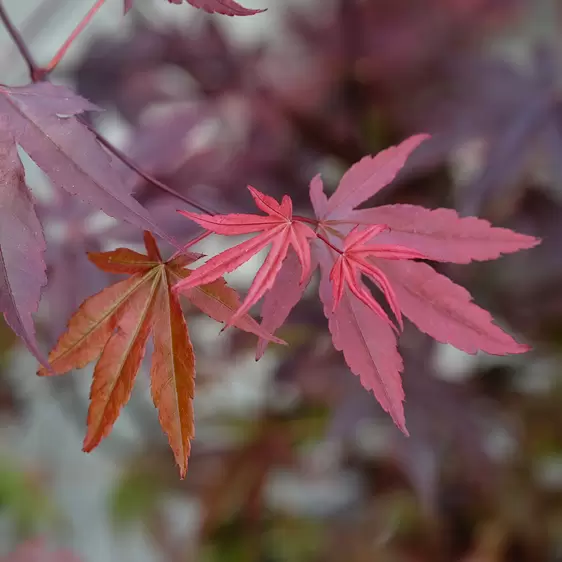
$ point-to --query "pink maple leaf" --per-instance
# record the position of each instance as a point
(224, 7)
(341, 246)
(277, 228)
(431, 301)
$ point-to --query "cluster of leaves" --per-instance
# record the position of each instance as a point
(359, 326)
(477, 479)
(116, 323)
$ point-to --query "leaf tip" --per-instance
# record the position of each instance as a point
(421, 137)
(532, 241)
(522, 348)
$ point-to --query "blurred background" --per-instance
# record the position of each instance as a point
(293, 461)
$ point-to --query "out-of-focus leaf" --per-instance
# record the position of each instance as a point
(24, 501)
(135, 496)
(37, 551)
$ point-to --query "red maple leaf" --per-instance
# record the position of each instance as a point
(359, 326)
(225, 7)
(277, 228)
(114, 325)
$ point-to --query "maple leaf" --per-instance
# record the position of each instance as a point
(277, 228)
(224, 7)
(42, 119)
(432, 302)
(115, 325)
(359, 326)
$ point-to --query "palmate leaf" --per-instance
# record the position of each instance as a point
(277, 228)
(42, 119)
(354, 262)
(225, 7)
(115, 325)
(431, 301)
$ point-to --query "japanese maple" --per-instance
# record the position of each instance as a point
(386, 246)
(340, 245)
(225, 7)
(115, 325)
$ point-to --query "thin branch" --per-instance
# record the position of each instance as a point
(77, 30)
(326, 241)
(130, 164)
(196, 240)
(34, 70)
(34, 24)
(38, 74)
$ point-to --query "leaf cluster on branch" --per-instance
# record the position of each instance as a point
(356, 249)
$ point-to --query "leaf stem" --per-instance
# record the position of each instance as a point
(130, 164)
(197, 239)
(77, 30)
(34, 70)
(326, 241)
(305, 219)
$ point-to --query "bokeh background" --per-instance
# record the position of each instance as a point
(293, 460)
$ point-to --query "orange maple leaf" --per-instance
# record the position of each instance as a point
(115, 325)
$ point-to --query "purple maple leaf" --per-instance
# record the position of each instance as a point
(42, 118)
